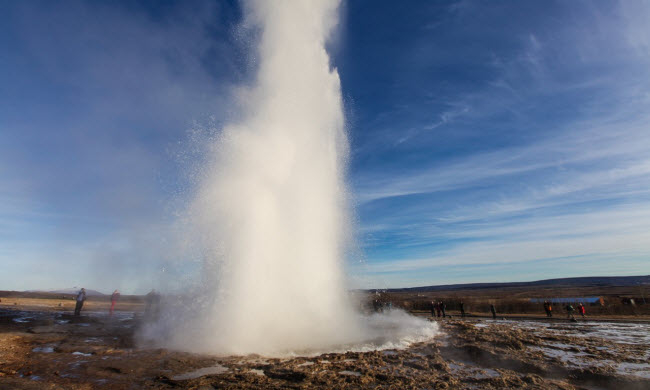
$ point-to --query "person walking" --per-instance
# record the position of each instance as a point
(81, 298)
(462, 310)
(550, 309)
(581, 310)
(114, 298)
(569, 312)
(494, 311)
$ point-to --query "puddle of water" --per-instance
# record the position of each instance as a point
(637, 369)
(481, 325)
(35, 378)
(82, 354)
(62, 322)
(22, 319)
(257, 372)
(569, 357)
(353, 373)
(83, 324)
(473, 372)
(305, 364)
(214, 370)
(43, 349)
(561, 346)
(616, 332)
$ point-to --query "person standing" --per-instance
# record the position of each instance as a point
(494, 311)
(443, 309)
(581, 310)
(81, 298)
(462, 310)
(114, 298)
(152, 305)
(433, 309)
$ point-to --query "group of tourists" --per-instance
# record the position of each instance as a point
(81, 298)
(570, 310)
(379, 306)
(438, 309)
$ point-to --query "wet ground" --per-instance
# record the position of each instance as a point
(50, 350)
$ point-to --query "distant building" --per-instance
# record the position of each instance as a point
(584, 300)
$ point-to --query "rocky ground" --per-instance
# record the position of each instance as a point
(47, 349)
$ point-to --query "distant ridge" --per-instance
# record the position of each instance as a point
(69, 291)
(587, 281)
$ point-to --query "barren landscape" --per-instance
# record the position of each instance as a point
(43, 346)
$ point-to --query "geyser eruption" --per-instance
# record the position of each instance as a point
(271, 208)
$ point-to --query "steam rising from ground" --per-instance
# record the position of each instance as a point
(271, 210)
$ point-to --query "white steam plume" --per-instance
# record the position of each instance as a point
(272, 210)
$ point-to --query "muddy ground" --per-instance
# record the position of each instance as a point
(50, 349)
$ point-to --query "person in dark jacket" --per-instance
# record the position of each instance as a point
(443, 309)
(569, 312)
(81, 298)
(494, 311)
(462, 310)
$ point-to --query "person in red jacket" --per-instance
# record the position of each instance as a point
(581, 310)
(114, 298)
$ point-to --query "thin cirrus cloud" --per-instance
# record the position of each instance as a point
(556, 180)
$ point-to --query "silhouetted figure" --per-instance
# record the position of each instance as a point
(433, 309)
(494, 311)
(438, 309)
(152, 305)
(114, 298)
(443, 309)
(462, 310)
(81, 298)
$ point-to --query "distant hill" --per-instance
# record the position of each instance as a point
(69, 291)
(588, 281)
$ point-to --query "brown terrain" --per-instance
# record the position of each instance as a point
(43, 346)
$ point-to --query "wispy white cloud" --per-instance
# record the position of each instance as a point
(573, 183)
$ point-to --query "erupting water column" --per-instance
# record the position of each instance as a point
(272, 206)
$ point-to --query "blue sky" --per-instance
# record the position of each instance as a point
(490, 141)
